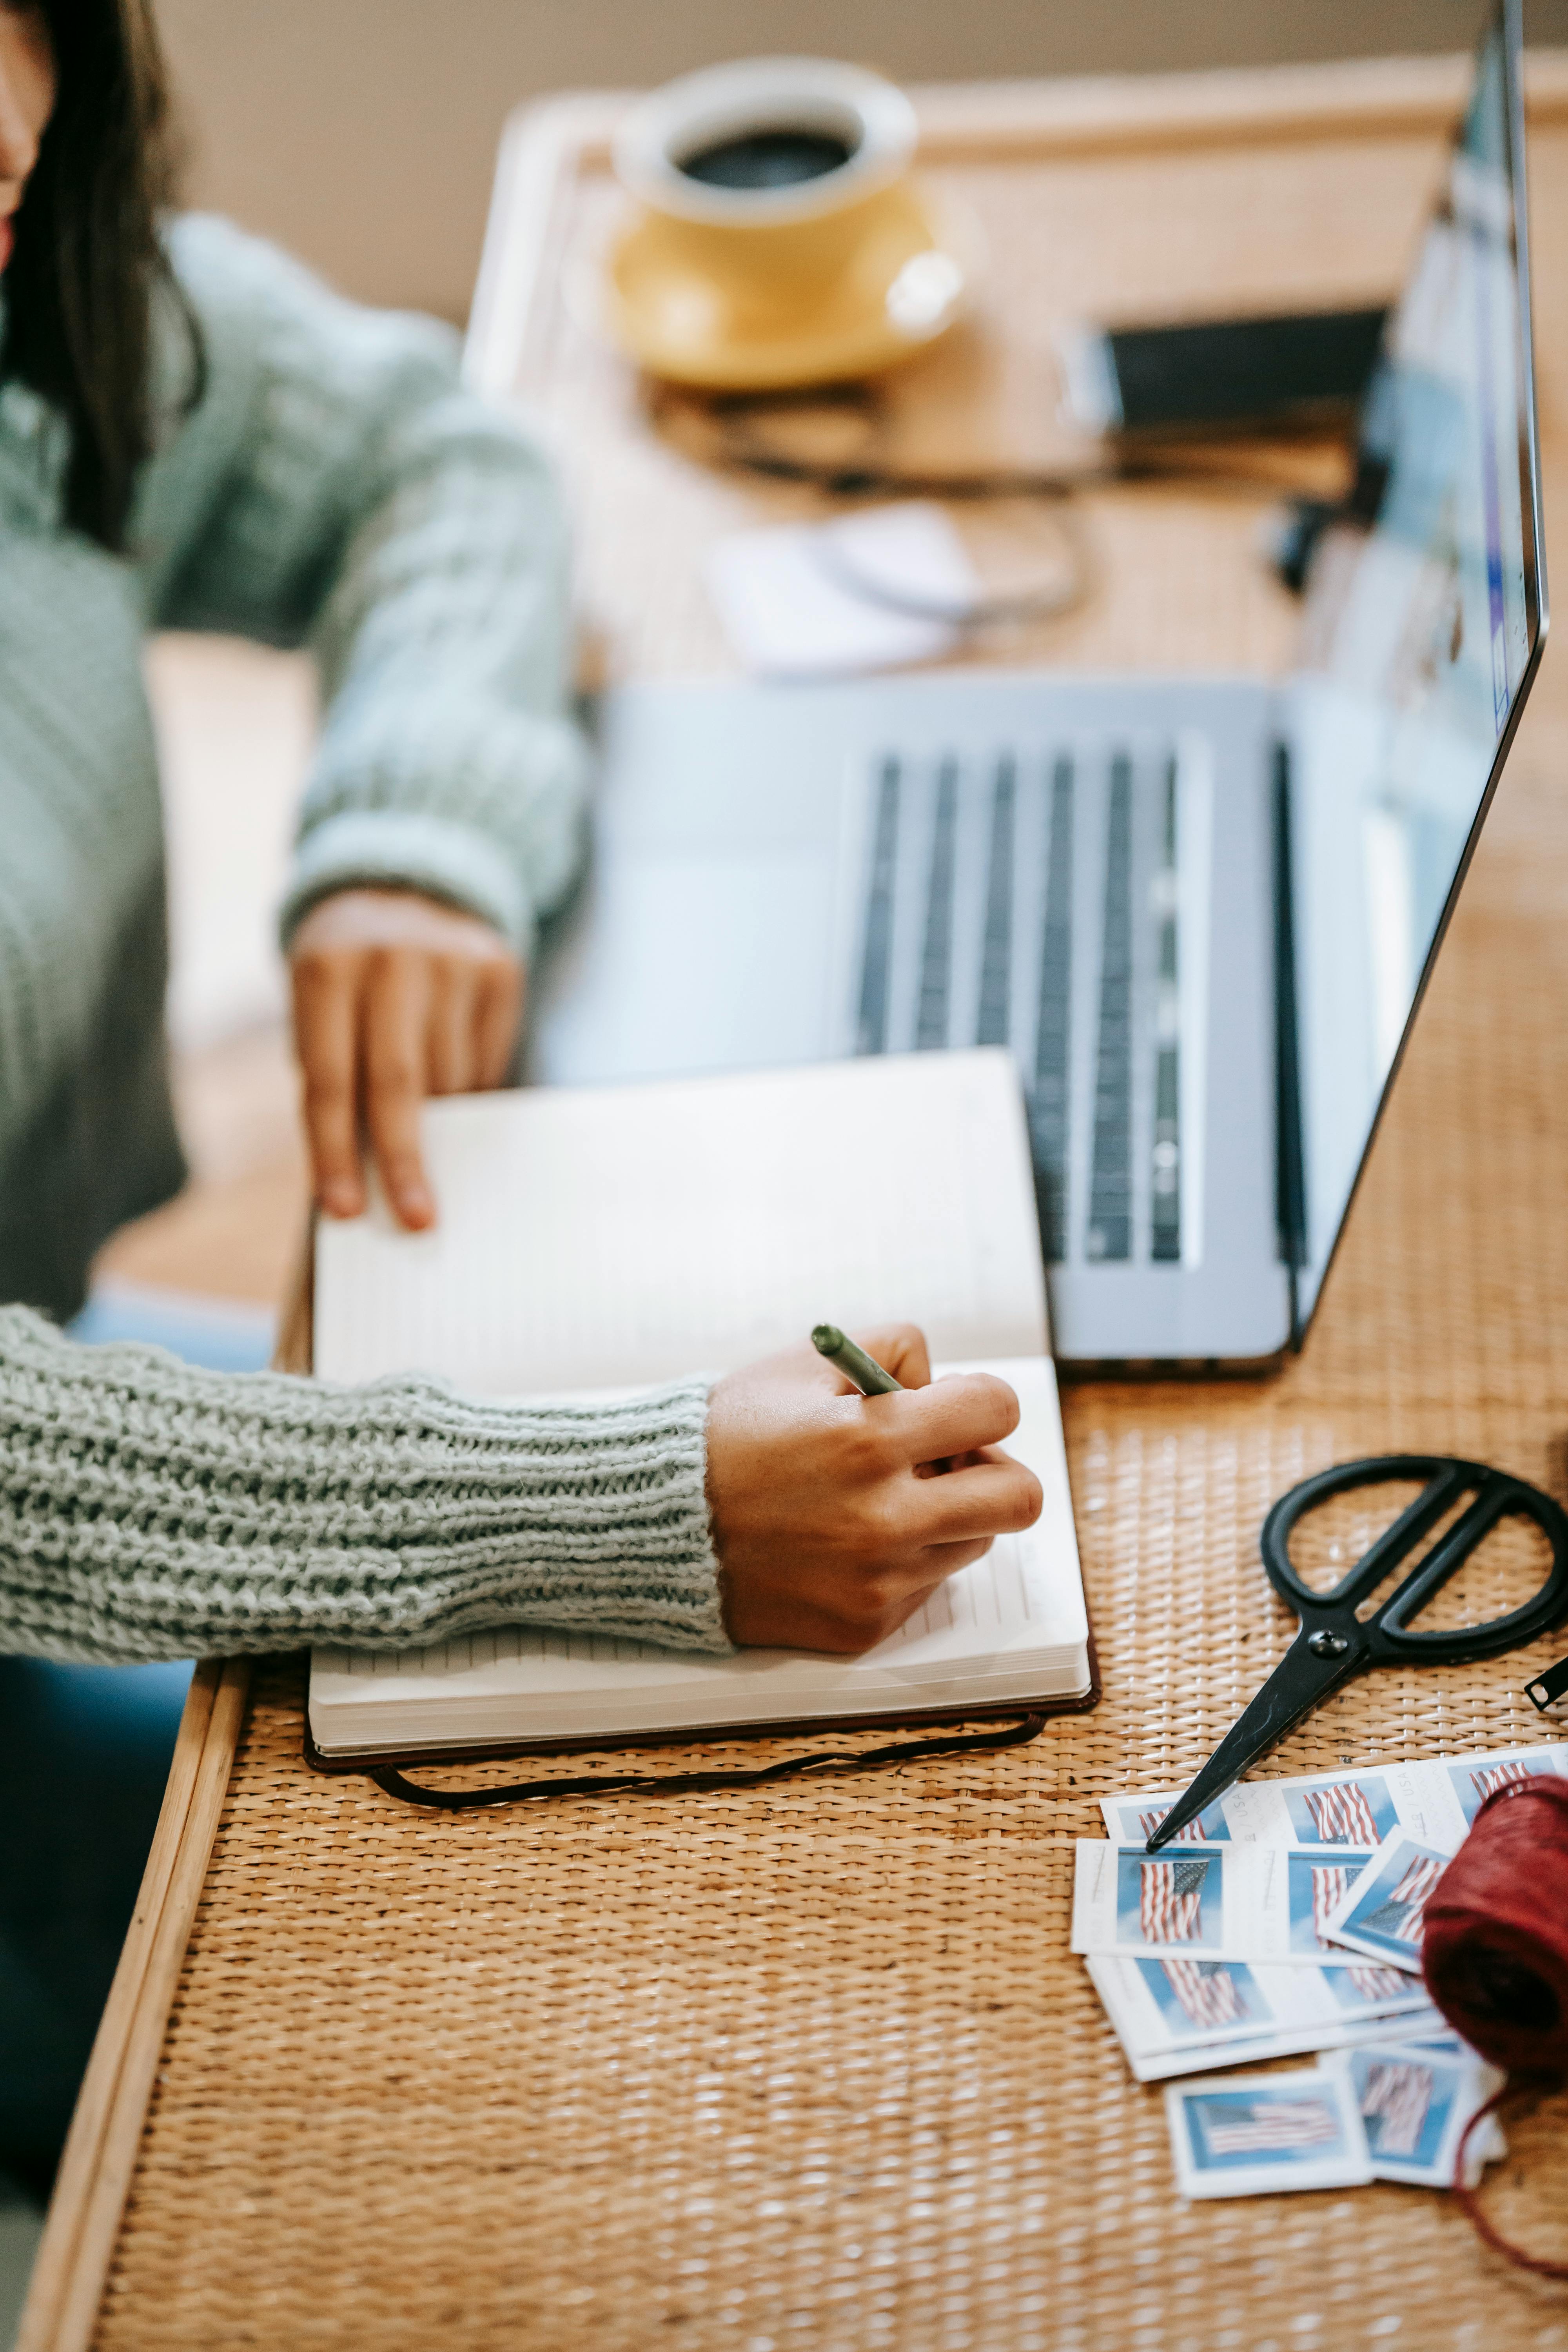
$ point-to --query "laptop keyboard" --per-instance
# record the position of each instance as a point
(1033, 902)
(1110, 1179)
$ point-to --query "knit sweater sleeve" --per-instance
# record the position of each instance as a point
(332, 485)
(150, 1510)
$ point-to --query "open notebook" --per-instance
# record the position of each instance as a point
(615, 1237)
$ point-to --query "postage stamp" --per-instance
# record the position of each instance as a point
(1368, 1987)
(1174, 2015)
(1252, 1903)
(1435, 1803)
(1414, 2103)
(1132, 1821)
(1248, 2135)
(1383, 1911)
(1317, 1887)
(1196, 2000)
(1174, 1900)
(1357, 1810)
(1475, 1777)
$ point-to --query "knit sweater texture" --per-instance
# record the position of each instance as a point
(331, 485)
(148, 1510)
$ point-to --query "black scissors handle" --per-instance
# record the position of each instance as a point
(1445, 1478)
(1335, 1643)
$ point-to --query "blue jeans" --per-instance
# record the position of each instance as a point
(84, 1755)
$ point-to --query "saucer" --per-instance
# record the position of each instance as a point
(905, 282)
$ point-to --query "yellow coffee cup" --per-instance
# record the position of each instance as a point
(779, 237)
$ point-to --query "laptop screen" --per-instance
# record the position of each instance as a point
(1424, 622)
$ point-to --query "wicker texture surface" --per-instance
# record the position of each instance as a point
(812, 2066)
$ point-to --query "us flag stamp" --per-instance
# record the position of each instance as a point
(1384, 1911)
(1433, 1803)
(1178, 2016)
(1250, 2134)
(1415, 2100)
(1317, 1884)
(1212, 1902)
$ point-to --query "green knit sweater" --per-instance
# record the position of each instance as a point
(331, 486)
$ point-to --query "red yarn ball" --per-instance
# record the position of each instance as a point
(1495, 1950)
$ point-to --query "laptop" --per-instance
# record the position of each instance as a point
(1200, 911)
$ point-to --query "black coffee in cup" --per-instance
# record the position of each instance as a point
(778, 157)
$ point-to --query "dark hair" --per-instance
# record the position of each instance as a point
(89, 263)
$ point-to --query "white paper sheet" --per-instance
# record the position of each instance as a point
(804, 599)
(617, 1236)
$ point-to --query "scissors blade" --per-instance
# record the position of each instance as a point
(1298, 1683)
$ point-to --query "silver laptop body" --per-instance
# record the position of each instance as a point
(1200, 910)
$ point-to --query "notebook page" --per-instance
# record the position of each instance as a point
(1013, 1624)
(623, 1235)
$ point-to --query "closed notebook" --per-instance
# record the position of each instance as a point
(693, 1226)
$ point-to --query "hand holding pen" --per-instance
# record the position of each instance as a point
(829, 1526)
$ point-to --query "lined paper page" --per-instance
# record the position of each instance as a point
(1013, 1625)
(631, 1234)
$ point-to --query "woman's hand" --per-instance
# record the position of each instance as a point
(829, 1520)
(396, 996)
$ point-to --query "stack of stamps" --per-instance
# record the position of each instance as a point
(1385, 2111)
(1287, 1918)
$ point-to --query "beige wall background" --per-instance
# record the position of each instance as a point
(363, 132)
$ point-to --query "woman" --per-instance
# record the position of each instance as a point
(193, 432)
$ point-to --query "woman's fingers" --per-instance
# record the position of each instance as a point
(396, 1030)
(454, 1041)
(396, 995)
(952, 1416)
(949, 1557)
(497, 1013)
(827, 1533)
(900, 1349)
(326, 1026)
(381, 1030)
(993, 1498)
(831, 1630)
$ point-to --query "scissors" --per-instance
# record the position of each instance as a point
(1336, 1640)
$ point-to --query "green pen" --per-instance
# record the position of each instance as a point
(854, 1362)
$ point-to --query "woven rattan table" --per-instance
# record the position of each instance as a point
(812, 2067)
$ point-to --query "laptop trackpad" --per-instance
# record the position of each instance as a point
(680, 964)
